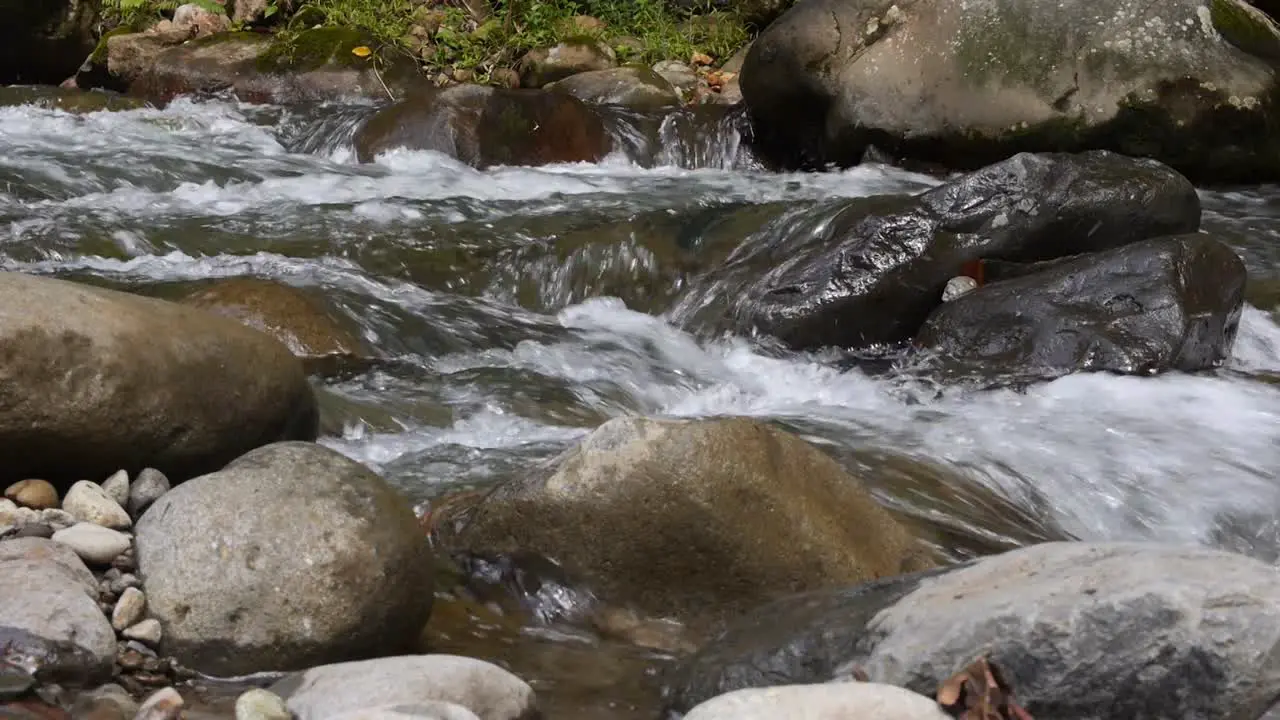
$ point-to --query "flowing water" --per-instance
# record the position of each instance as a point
(523, 307)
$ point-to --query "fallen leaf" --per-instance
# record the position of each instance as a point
(979, 692)
(361, 51)
(700, 59)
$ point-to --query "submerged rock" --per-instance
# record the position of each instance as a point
(695, 519)
(484, 126)
(332, 690)
(290, 556)
(1189, 82)
(97, 380)
(50, 623)
(875, 271)
(1158, 305)
(1115, 631)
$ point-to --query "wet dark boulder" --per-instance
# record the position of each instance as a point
(42, 42)
(875, 271)
(1158, 305)
(1113, 631)
(485, 126)
(1190, 82)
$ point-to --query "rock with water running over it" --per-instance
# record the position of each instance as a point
(50, 623)
(1114, 631)
(96, 380)
(542, 66)
(485, 126)
(873, 701)
(1189, 82)
(632, 86)
(483, 688)
(294, 316)
(1158, 305)
(695, 519)
(290, 556)
(875, 270)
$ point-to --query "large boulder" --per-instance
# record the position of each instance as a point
(93, 380)
(50, 624)
(1190, 82)
(875, 270)
(1163, 304)
(484, 126)
(332, 690)
(42, 43)
(1114, 631)
(291, 556)
(695, 519)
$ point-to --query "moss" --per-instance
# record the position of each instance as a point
(99, 55)
(1246, 28)
(316, 48)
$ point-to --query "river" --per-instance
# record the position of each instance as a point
(523, 307)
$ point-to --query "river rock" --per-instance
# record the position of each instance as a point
(1100, 630)
(485, 126)
(416, 711)
(99, 380)
(1154, 306)
(90, 502)
(57, 518)
(633, 86)
(695, 518)
(542, 66)
(149, 486)
(50, 623)
(681, 76)
(147, 631)
(93, 543)
(117, 488)
(291, 315)
(34, 494)
(109, 702)
(815, 702)
(43, 42)
(258, 704)
(12, 515)
(483, 688)
(875, 271)
(129, 609)
(164, 704)
(290, 556)
(1190, 82)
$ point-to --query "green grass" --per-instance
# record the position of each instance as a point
(443, 34)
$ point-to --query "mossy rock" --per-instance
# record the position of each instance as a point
(1246, 27)
(67, 100)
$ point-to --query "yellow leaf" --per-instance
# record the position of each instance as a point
(361, 51)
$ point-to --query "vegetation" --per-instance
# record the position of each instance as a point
(484, 35)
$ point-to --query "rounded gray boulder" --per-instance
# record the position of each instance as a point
(291, 556)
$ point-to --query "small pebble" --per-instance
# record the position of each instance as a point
(259, 704)
(59, 519)
(94, 544)
(11, 514)
(123, 582)
(957, 286)
(148, 487)
(138, 647)
(164, 704)
(129, 609)
(151, 679)
(89, 502)
(125, 562)
(35, 494)
(130, 659)
(117, 487)
(147, 631)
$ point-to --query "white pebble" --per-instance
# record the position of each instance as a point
(258, 704)
(90, 503)
(957, 286)
(57, 519)
(163, 704)
(147, 631)
(94, 544)
(117, 487)
(129, 609)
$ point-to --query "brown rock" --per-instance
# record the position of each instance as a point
(484, 126)
(696, 519)
(633, 86)
(541, 66)
(94, 380)
(292, 315)
(32, 493)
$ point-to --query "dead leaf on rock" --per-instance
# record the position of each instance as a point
(980, 692)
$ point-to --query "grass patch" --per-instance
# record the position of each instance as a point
(447, 34)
